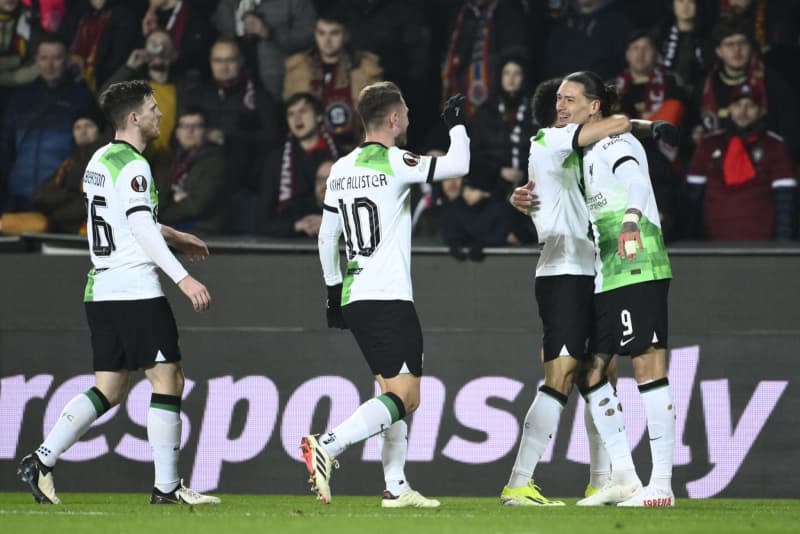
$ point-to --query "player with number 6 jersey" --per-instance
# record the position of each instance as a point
(116, 184)
(367, 201)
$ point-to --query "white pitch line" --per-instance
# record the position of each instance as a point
(43, 512)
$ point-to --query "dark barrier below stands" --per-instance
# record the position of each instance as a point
(263, 371)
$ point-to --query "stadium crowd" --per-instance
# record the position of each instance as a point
(258, 98)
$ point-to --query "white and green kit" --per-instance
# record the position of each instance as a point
(612, 186)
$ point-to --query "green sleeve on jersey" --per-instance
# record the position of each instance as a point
(652, 263)
(539, 138)
(375, 157)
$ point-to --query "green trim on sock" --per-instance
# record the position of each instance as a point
(391, 406)
(99, 407)
(167, 407)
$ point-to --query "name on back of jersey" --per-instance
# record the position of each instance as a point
(94, 178)
(363, 181)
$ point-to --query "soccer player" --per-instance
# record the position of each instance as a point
(632, 274)
(367, 200)
(130, 320)
(564, 282)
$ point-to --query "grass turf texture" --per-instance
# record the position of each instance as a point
(89, 513)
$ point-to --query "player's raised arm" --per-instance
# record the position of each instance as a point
(455, 163)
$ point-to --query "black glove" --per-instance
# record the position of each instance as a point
(453, 111)
(664, 131)
(333, 308)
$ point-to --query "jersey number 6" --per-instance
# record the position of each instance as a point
(361, 207)
(100, 226)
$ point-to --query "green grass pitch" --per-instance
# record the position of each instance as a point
(88, 513)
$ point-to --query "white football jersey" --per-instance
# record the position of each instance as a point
(562, 220)
(118, 182)
(369, 191)
(607, 199)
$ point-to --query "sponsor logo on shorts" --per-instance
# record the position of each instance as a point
(139, 184)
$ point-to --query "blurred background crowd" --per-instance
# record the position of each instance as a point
(258, 101)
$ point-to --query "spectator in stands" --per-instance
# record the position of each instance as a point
(190, 26)
(36, 131)
(501, 130)
(271, 30)
(17, 35)
(335, 73)
(59, 203)
(102, 33)
(51, 13)
(192, 189)
(741, 181)
(683, 44)
(484, 32)
(289, 204)
(592, 39)
(243, 118)
(155, 63)
(475, 220)
(739, 64)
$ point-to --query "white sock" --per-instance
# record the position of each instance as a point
(540, 423)
(610, 424)
(661, 428)
(370, 418)
(164, 435)
(75, 419)
(599, 460)
(393, 457)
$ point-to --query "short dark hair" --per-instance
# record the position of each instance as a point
(315, 102)
(728, 26)
(544, 102)
(50, 38)
(376, 101)
(595, 89)
(193, 110)
(121, 98)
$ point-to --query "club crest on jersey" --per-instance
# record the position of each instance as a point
(139, 184)
(411, 159)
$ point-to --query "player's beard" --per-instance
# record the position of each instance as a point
(402, 138)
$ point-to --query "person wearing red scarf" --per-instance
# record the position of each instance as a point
(289, 205)
(739, 63)
(335, 74)
(102, 33)
(742, 179)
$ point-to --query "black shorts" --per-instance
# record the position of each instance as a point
(132, 334)
(388, 333)
(631, 318)
(566, 306)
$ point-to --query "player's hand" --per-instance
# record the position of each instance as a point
(664, 131)
(189, 245)
(629, 241)
(333, 308)
(453, 111)
(524, 200)
(195, 292)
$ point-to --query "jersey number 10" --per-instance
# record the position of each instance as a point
(102, 234)
(365, 245)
